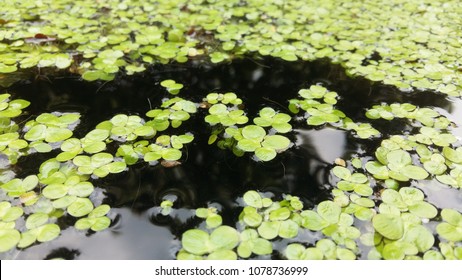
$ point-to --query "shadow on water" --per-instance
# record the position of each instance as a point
(207, 174)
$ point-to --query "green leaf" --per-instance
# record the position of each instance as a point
(264, 153)
(453, 155)
(398, 159)
(55, 191)
(269, 230)
(276, 142)
(390, 226)
(224, 237)
(48, 232)
(253, 132)
(420, 237)
(414, 172)
(35, 220)
(329, 211)
(313, 221)
(423, 209)
(378, 170)
(342, 172)
(100, 223)
(171, 154)
(222, 255)
(449, 232)
(452, 217)
(195, 241)
(288, 229)
(251, 145)
(9, 238)
(253, 198)
(345, 254)
(394, 251)
(80, 207)
(280, 214)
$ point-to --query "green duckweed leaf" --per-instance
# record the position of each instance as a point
(253, 132)
(171, 154)
(390, 226)
(9, 238)
(452, 217)
(378, 170)
(36, 220)
(222, 255)
(264, 153)
(253, 198)
(329, 211)
(251, 145)
(48, 232)
(195, 241)
(394, 251)
(269, 230)
(414, 172)
(423, 209)
(276, 142)
(420, 237)
(313, 221)
(345, 254)
(288, 229)
(342, 172)
(224, 237)
(80, 207)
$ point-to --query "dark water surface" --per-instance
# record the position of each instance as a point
(209, 175)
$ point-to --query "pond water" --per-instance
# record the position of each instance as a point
(208, 175)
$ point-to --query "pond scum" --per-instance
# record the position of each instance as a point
(375, 209)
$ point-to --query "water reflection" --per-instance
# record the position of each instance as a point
(133, 238)
(208, 174)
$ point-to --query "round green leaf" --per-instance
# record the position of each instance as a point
(262, 247)
(288, 229)
(276, 142)
(99, 211)
(378, 170)
(253, 198)
(452, 217)
(11, 214)
(171, 154)
(101, 223)
(449, 232)
(269, 230)
(295, 251)
(55, 191)
(313, 221)
(414, 172)
(345, 254)
(195, 241)
(423, 209)
(35, 220)
(222, 255)
(253, 132)
(80, 207)
(393, 251)
(8, 239)
(390, 226)
(329, 211)
(82, 189)
(48, 232)
(342, 172)
(224, 237)
(250, 145)
(264, 154)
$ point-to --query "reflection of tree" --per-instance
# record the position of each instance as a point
(63, 253)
